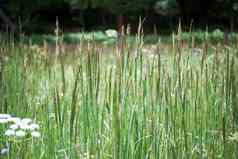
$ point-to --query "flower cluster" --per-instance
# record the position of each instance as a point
(19, 127)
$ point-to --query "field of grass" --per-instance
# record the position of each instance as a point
(94, 102)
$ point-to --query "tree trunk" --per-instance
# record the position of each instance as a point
(120, 23)
(7, 20)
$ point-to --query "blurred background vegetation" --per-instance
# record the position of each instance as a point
(87, 15)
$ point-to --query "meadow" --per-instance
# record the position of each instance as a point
(97, 101)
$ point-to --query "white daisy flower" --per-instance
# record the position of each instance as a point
(20, 133)
(14, 120)
(10, 132)
(26, 120)
(4, 151)
(3, 121)
(25, 126)
(34, 126)
(14, 126)
(5, 116)
(35, 134)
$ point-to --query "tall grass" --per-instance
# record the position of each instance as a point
(93, 103)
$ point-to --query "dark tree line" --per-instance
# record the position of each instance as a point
(88, 13)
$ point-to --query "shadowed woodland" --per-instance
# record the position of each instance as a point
(86, 15)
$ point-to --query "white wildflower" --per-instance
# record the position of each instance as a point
(25, 126)
(34, 126)
(5, 116)
(26, 120)
(4, 151)
(3, 121)
(20, 133)
(14, 120)
(14, 126)
(10, 132)
(35, 134)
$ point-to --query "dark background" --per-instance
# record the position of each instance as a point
(85, 15)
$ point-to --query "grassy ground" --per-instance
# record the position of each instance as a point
(91, 102)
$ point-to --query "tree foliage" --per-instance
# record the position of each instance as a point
(167, 7)
(184, 8)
